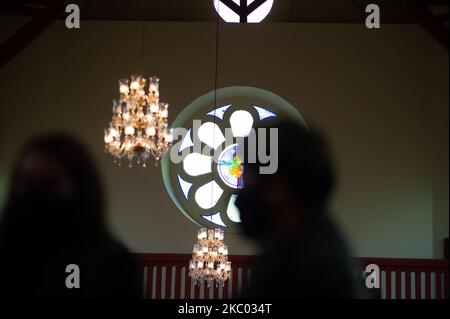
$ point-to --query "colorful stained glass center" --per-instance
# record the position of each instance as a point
(231, 167)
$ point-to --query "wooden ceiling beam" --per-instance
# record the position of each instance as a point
(421, 13)
(19, 9)
(30, 31)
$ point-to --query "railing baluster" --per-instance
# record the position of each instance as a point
(168, 285)
(418, 282)
(197, 290)
(187, 285)
(427, 284)
(149, 281)
(158, 282)
(388, 284)
(178, 269)
(398, 284)
(207, 290)
(234, 288)
(438, 285)
(244, 279)
(225, 289)
(216, 291)
(408, 285)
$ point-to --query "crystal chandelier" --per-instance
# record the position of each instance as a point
(210, 258)
(139, 124)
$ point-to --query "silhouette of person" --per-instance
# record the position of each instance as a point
(303, 252)
(54, 217)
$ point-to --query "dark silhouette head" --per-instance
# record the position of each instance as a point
(287, 212)
(55, 193)
(278, 203)
(54, 216)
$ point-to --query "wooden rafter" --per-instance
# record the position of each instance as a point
(434, 25)
(41, 20)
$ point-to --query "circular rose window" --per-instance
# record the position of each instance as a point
(205, 169)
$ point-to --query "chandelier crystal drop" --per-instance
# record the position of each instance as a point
(139, 125)
(210, 258)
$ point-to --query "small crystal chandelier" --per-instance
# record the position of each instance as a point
(139, 124)
(210, 258)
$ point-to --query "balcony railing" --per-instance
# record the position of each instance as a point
(166, 276)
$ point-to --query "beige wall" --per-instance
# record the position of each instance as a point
(379, 95)
(440, 103)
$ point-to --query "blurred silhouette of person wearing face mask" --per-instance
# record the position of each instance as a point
(303, 253)
(54, 217)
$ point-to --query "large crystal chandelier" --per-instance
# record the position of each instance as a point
(210, 258)
(139, 124)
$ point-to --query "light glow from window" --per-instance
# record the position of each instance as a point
(208, 195)
(230, 16)
(219, 112)
(263, 113)
(215, 219)
(210, 134)
(226, 13)
(185, 186)
(259, 14)
(241, 123)
(196, 164)
(187, 141)
(233, 212)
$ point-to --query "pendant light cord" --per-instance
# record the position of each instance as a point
(216, 71)
(143, 46)
(216, 80)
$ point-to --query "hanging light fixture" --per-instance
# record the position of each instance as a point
(139, 124)
(210, 255)
(210, 258)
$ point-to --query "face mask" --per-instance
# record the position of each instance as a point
(255, 214)
(45, 217)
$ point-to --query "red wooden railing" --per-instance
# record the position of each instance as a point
(403, 278)
(166, 276)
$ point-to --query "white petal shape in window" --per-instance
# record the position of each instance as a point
(215, 219)
(241, 123)
(210, 134)
(232, 211)
(263, 113)
(226, 13)
(187, 141)
(219, 112)
(196, 164)
(185, 186)
(208, 195)
(260, 13)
